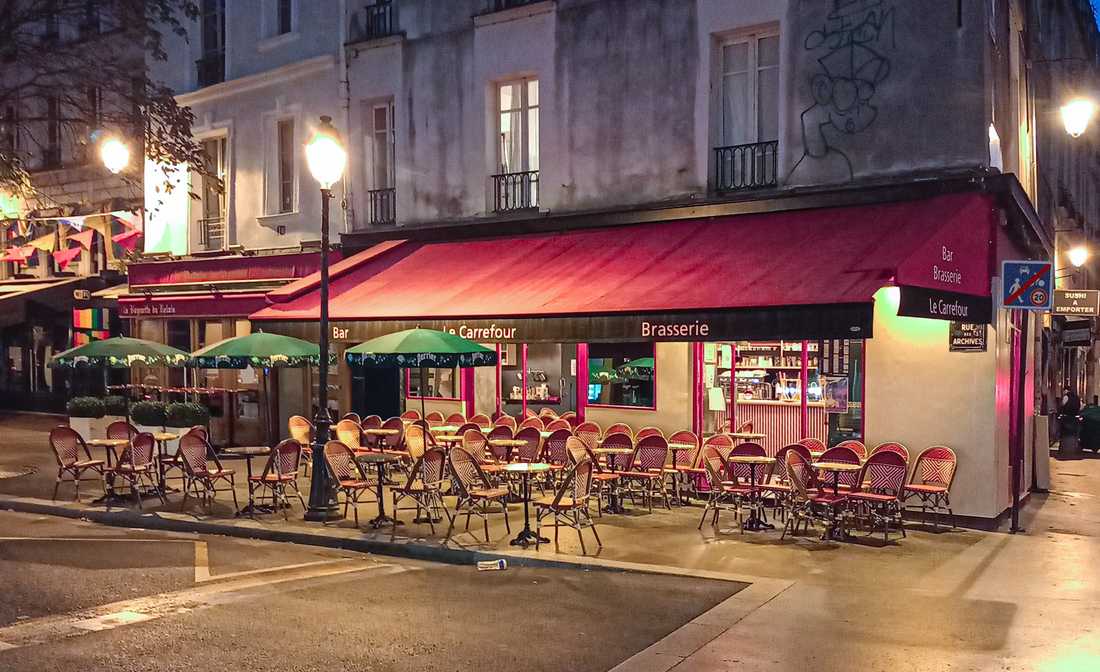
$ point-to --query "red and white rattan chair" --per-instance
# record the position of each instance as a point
(648, 431)
(620, 428)
(349, 478)
(556, 453)
(506, 421)
(200, 478)
(425, 487)
(456, 419)
(648, 469)
(533, 421)
(589, 432)
(723, 492)
(410, 415)
(604, 481)
(893, 446)
(482, 420)
(349, 433)
(120, 429)
(880, 499)
(500, 453)
(73, 460)
(434, 418)
(569, 505)
(848, 480)
(815, 445)
(280, 475)
(807, 503)
(933, 474)
(559, 423)
(475, 492)
(858, 446)
(137, 465)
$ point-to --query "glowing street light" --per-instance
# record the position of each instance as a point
(1078, 255)
(114, 154)
(1076, 115)
(326, 157)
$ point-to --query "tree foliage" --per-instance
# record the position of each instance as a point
(83, 68)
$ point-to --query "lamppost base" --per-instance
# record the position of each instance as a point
(323, 514)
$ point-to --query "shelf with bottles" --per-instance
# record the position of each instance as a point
(774, 355)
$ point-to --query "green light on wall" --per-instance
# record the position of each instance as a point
(911, 329)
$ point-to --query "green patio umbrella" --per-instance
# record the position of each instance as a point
(420, 348)
(258, 350)
(637, 369)
(120, 352)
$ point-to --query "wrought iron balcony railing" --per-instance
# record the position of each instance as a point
(515, 191)
(750, 166)
(374, 21)
(211, 68)
(382, 206)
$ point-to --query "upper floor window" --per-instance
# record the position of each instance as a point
(516, 184)
(281, 171)
(9, 136)
(212, 224)
(211, 67)
(284, 15)
(51, 155)
(746, 155)
(381, 159)
(51, 22)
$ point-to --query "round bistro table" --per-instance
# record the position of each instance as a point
(527, 536)
(756, 520)
(380, 460)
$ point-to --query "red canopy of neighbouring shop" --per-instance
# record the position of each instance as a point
(799, 258)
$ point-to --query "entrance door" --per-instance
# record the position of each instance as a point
(376, 391)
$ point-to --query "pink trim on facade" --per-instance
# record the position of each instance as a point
(523, 378)
(467, 390)
(582, 380)
(498, 399)
(804, 384)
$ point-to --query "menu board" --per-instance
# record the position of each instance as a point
(835, 358)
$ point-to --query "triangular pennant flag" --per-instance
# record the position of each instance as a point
(75, 222)
(63, 257)
(45, 243)
(17, 254)
(24, 227)
(127, 239)
(85, 238)
(130, 220)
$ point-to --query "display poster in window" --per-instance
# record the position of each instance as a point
(836, 395)
(716, 401)
(965, 337)
(247, 376)
(835, 357)
(708, 375)
(725, 355)
(710, 353)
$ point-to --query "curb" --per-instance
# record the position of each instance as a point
(413, 551)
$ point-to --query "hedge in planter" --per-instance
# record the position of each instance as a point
(115, 405)
(85, 407)
(149, 413)
(187, 414)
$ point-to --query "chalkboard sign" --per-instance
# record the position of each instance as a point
(966, 337)
(834, 357)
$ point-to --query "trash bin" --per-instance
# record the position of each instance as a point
(1090, 428)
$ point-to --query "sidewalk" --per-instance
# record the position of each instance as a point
(962, 599)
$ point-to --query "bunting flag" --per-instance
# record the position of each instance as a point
(85, 238)
(63, 257)
(17, 254)
(127, 239)
(46, 243)
(75, 222)
(102, 224)
(130, 220)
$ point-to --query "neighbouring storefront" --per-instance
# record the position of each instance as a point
(832, 322)
(193, 302)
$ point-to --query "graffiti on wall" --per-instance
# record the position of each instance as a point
(851, 49)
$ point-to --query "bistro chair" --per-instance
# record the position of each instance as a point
(880, 500)
(815, 445)
(354, 417)
(744, 427)
(349, 433)
(556, 453)
(742, 475)
(857, 446)
(505, 421)
(475, 493)
(456, 419)
(136, 465)
(569, 505)
(280, 473)
(848, 480)
(425, 486)
(434, 418)
(619, 440)
(417, 440)
(371, 422)
(557, 424)
(647, 470)
(500, 453)
(807, 505)
(73, 460)
(532, 422)
(396, 443)
(589, 432)
(684, 461)
(778, 487)
(410, 415)
(648, 431)
(570, 417)
(476, 444)
(893, 446)
(933, 474)
(529, 452)
(301, 430)
(723, 493)
(620, 428)
(603, 479)
(528, 413)
(548, 413)
(175, 461)
(199, 476)
(481, 420)
(120, 429)
(349, 478)
(466, 426)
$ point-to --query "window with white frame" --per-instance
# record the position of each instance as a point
(281, 169)
(749, 89)
(383, 143)
(212, 225)
(518, 125)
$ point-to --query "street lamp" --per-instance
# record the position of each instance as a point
(1076, 115)
(1078, 255)
(326, 157)
(115, 154)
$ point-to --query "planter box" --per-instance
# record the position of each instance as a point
(89, 428)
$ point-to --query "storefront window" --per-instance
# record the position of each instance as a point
(845, 391)
(622, 374)
(438, 383)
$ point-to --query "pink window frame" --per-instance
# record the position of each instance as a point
(653, 344)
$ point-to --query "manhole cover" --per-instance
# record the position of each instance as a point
(15, 472)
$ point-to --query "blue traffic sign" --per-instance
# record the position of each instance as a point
(1027, 285)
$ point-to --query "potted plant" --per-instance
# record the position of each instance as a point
(86, 416)
(185, 415)
(114, 408)
(148, 416)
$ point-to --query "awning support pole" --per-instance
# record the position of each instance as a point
(804, 395)
(523, 379)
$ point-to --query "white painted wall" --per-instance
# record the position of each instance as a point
(673, 412)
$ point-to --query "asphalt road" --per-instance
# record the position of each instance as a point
(77, 596)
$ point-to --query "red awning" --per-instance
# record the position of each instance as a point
(801, 258)
(222, 304)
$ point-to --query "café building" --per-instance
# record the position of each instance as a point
(828, 317)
